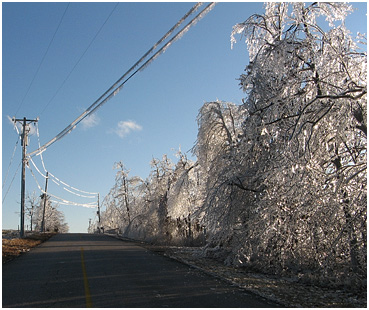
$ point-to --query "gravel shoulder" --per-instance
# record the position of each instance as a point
(286, 291)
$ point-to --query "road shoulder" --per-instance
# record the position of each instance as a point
(287, 292)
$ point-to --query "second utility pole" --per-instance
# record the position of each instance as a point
(45, 198)
(98, 210)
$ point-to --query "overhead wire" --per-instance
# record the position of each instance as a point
(11, 182)
(66, 202)
(42, 60)
(11, 161)
(39, 145)
(34, 177)
(62, 200)
(96, 104)
(76, 189)
(80, 58)
(151, 59)
(114, 89)
(54, 178)
(80, 195)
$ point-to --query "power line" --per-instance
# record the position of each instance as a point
(42, 60)
(94, 195)
(54, 177)
(68, 203)
(79, 195)
(80, 58)
(114, 89)
(62, 200)
(10, 163)
(11, 182)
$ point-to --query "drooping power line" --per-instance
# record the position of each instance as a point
(115, 88)
(93, 195)
(56, 180)
(61, 200)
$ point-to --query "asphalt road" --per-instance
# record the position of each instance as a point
(85, 270)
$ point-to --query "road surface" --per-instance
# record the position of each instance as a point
(86, 270)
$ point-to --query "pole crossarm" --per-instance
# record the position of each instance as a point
(27, 120)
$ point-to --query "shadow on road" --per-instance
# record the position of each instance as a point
(117, 274)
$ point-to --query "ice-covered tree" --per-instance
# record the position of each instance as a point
(184, 200)
(32, 202)
(156, 199)
(230, 183)
(160, 209)
(122, 203)
(47, 216)
(122, 191)
(286, 188)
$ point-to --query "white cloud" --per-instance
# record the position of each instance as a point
(90, 121)
(125, 127)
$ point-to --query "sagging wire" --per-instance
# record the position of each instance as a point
(76, 189)
(150, 60)
(114, 89)
(68, 203)
(38, 170)
(54, 177)
(84, 196)
(62, 200)
(50, 174)
(39, 145)
(34, 177)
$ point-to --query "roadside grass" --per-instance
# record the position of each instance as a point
(12, 248)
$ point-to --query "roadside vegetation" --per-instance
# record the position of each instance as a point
(14, 247)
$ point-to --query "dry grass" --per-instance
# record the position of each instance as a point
(12, 248)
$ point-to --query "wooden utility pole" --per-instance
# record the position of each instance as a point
(25, 130)
(98, 210)
(45, 198)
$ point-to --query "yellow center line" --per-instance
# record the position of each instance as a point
(85, 282)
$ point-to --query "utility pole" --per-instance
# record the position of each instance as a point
(25, 130)
(45, 198)
(98, 210)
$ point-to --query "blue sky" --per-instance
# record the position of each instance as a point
(153, 114)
